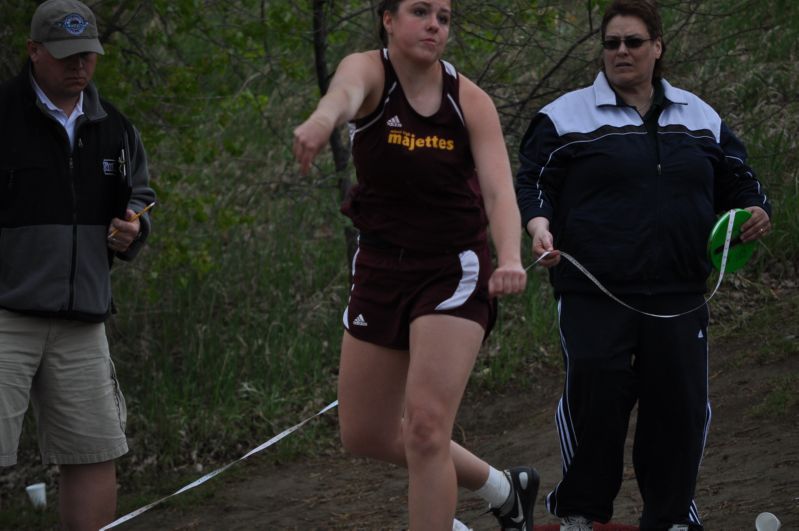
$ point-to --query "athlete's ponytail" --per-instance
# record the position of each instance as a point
(385, 5)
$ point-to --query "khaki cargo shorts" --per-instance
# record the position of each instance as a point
(64, 369)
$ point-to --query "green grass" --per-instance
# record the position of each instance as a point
(781, 400)
(525, 334)
(229, 352)
(775, 156)
(19, 514)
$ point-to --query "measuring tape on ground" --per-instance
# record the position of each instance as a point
(198, 482)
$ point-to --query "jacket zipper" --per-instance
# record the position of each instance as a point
(659, 191)
(9, 188)
(72, 273)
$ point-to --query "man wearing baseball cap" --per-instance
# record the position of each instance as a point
(73, 173)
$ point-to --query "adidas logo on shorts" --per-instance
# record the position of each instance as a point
(359, 321)
(394, 122)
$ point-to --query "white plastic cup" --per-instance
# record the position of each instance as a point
(37, 494)
(767, 522)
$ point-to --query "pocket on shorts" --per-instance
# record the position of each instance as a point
(122, 410)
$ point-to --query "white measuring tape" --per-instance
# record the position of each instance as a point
(218, 471)
(607, 292)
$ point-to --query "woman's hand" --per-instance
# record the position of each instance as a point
(309, 139)
(507, 279)
(543, 242)
(757, 226)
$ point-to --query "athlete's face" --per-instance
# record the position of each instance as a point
(627, 67)
(419, 28)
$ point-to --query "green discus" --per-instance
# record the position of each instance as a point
(739, 252)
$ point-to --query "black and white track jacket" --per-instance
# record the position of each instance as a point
(634, 208)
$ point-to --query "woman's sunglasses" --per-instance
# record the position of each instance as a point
(630, 42)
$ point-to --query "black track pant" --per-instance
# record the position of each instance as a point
(614, 357)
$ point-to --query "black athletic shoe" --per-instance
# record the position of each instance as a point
(524, 488)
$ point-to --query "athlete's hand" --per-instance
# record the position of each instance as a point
(309, 139)
(507, 279)
(543, 242)
(757, 226)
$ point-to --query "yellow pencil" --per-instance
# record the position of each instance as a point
(136, 216)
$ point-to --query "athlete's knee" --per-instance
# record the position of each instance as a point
(426, 432)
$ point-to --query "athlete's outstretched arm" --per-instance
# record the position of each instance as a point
(496, 182)
(358, 78)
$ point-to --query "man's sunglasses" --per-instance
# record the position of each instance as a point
(629, 42)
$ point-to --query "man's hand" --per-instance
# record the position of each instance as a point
(126, 232)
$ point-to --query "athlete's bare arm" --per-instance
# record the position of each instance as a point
(354, 92)
(496, 182)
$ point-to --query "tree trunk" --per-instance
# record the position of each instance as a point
(340, 151)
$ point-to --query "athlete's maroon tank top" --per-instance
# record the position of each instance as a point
(417, 186)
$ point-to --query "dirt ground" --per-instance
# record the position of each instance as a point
(751, 462)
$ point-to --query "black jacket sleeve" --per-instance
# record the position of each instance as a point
(736, 185)
(539, 177)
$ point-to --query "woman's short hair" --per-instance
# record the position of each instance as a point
(647, 11)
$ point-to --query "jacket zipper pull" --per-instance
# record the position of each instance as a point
(659, 174)
(10, 185)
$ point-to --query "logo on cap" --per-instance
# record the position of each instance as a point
(73, 23)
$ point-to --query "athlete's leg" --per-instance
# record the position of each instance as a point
(442, 353)
(371, 394)
(371, 397)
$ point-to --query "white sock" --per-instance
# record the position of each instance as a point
(496, 489)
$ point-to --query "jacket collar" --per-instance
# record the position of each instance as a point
(605, 95)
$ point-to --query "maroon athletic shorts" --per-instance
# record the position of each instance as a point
(392, 287)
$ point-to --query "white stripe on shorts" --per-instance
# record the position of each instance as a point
(470, 265)
(346, 316)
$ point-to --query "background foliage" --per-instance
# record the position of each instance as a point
(228, 323)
